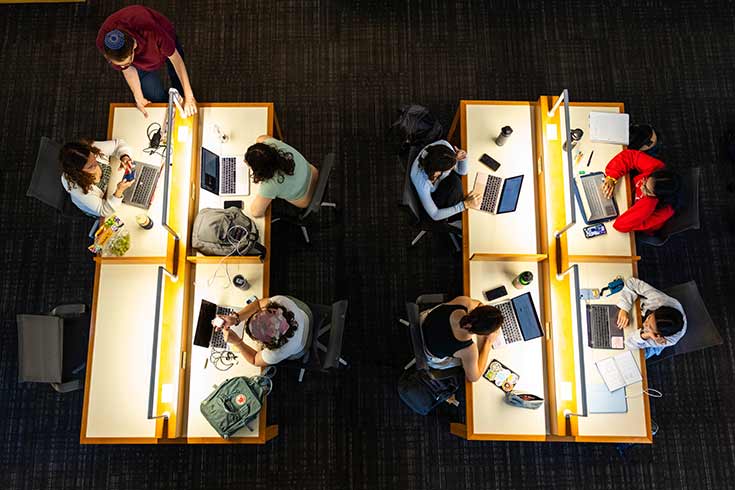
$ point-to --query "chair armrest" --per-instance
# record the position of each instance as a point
(431, 299)
(67, 311)
(73, 385)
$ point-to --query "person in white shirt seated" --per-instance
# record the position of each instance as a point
(280, 325)
(87, 173)
(664, 321)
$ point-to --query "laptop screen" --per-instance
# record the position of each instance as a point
(510, 194)
(210, 171)
(203, 333)
(527, 316)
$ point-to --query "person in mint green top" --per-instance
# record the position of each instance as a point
(282, 173)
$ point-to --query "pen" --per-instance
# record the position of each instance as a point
(579, 157)
(589, 160)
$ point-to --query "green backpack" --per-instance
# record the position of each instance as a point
(236, 402)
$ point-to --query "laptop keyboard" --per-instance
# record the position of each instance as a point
(218, 339)
(492, 191)
(600, 206)
(511, 329)
(144, 189)
(599, 328)
(228, 181)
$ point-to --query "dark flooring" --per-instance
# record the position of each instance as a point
(337, 71)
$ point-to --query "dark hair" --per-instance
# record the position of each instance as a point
(437, 158)
(668, 320)
(124, 52)
(292, 323)
(267, 161)
(483, 320)
(73, 157)
(639, 135)
(666, 186)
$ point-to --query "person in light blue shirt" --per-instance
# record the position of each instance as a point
(435, 174)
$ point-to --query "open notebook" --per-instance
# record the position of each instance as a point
(619, 371)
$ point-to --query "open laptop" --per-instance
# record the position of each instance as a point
(140, 194)
(602, 328)
(595, 206)
(520, 321)
(206, 335)
(498, 195)
(224, 176)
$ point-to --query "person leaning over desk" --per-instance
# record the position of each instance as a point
(87, 171)
(664, 321)
(435, 174)
(279, 324)
(138, 41)
(655, 195)
(282, 172)
(448, 330)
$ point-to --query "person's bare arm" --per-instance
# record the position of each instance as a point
(131, 77)
(465, 301)
(259, 206)
(190, 106)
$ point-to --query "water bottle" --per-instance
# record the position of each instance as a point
(523, 279)
(576, 135)
(504, 135)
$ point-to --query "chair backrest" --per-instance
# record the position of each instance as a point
(46, 179)
(701, 330)
(687, 216)
(40, 348)
(409, 198)
(321, 185)
(336, 334)
(417, 336)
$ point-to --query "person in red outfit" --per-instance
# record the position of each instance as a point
(138, 41)
(656, 191)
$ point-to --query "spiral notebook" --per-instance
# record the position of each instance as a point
(619, 371)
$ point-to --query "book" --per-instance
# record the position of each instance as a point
(609, 127)
(619, 371)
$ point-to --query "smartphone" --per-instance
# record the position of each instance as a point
(130, 175)
(492, 294)
(501, 376)
(233, 204)
(594, 230)
(490, 162)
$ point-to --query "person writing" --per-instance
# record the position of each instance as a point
(450, 327)
(138, 41)
(664, 321)
(87, 172)
(282, 172)
(280, 325)
(436, 175)
(656, 191)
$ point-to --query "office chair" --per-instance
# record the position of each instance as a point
(52, 348)
(46, 183)
(685, 218)
(328, 319)
(410, 201)
(423, 359)
(701, 331)
(316, 200)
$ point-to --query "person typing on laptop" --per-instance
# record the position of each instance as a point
(280, 325)
(656, 190)
(449, 329)
(282, 172)
(664, 321)
(87, 174)
(436, 175)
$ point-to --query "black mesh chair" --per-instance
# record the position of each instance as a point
(52, 348)
(317, 200)
(410, 201)
(686, 217)
(701, 331)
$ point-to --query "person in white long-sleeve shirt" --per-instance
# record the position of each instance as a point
(87, 173)
(664, 320)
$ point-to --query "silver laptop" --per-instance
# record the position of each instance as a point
(520, 321)
(224, 175)
(595, 205)
(140, 194)
(602, 327)
(498, 195)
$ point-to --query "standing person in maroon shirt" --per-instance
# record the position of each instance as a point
(656, 191)
(138, 41)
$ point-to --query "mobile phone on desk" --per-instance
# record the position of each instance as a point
(490, 162)
(493, 294)
(594, 230)
(233, 204)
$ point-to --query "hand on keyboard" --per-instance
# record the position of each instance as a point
(473, 199)
(622, 319)
(121, 186)
(608, 187)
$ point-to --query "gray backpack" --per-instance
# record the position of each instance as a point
(236, 402)
(225, 232)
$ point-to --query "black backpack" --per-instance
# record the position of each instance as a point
(415, 126)
(422, 392)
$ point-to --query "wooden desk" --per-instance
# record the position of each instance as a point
(121, 333)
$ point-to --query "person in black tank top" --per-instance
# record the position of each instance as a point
(449, 328)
